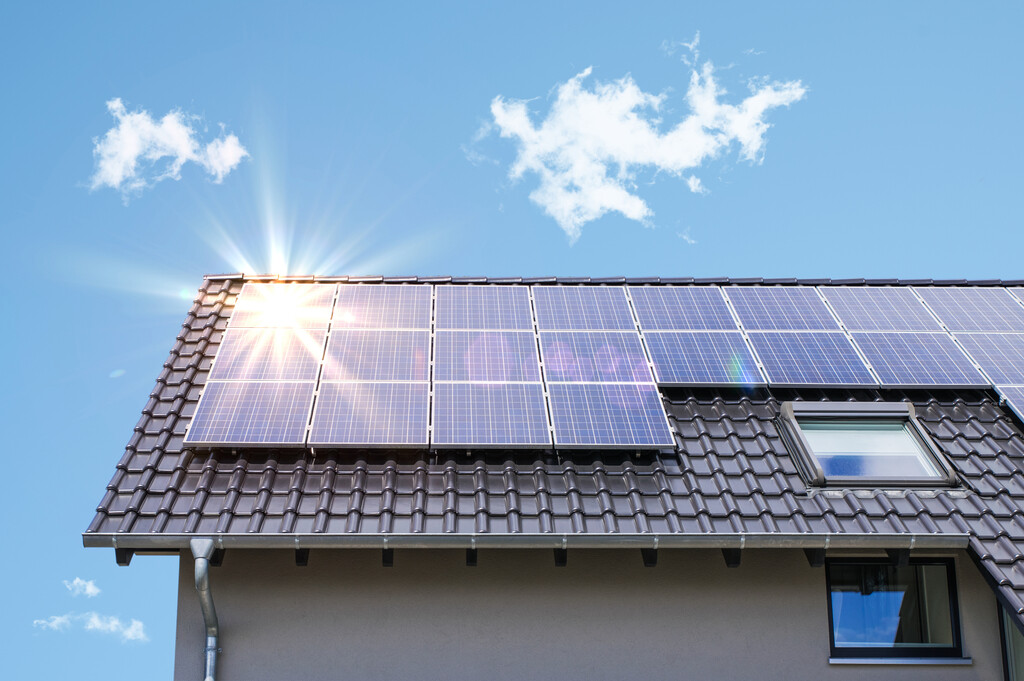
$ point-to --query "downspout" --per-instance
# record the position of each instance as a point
(202, 549)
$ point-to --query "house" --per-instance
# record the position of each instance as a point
(421, 478)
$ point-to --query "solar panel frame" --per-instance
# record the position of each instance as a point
(1000, 355)
(798, 358)
(383, 306)
(404, 403)
(686, 358)
(491, 307)
(1013, 395)
(377, 355)
(974, 309)
(269, 354)
(594, 357)
(682, 308)
(585, 415)
(781, 308)
(486, 356)
(879, 308)
(283, 305)
(237, 413)
(582, 308)
(918, 360)
(485, 415)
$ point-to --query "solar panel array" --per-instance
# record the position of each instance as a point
(460, 365)
(375, 387)
(487, 380)
(692, 337)
(600, 386)
(263, 380)
(797, 338)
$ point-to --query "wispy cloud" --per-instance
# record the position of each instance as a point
(54, 622)
(140, 151)
(133, 630)
(598, 135)
(81, 587)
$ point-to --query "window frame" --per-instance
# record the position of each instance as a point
(901, 412)
(895, 653)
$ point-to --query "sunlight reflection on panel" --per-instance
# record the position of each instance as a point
(288, 306)
(269, 355)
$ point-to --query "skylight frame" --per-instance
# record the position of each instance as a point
(894, 412)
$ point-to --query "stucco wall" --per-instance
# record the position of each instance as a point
(517, 616)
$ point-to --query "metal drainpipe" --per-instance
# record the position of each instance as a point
(202, 549)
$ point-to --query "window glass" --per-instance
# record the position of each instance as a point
(867, 449)
(1014, 649)
(878, 608)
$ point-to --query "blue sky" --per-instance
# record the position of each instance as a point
(371, 146)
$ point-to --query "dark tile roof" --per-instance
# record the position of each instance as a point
(731, 483)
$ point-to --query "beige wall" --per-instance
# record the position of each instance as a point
(517, 616)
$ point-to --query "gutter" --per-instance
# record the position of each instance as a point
(202, 549)
(753, 540)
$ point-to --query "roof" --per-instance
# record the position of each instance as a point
(730, 484)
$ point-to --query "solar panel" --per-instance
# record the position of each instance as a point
(252, 413)
(486, 356)
(608, 415)
(777, 308)
(975, 309)
(918, 359)
(1001, 355)
(393, 414)
(269, 354)
(702, 358)
(594, 357)
(295, 306)
(360, 355)
(483, 307)
(1014, 396)
(879, 308)
(681, 308)
(490, 414)
(805, 358)
(582, 307)
(383, 306)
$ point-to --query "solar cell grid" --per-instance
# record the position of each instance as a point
(807, 358)
(780, 308)
(918, 359)
(679, 308)
(608, 415)
(393, 414)
(1000, 355)
(975, 308)
(383, 306)
(483, 307)
(582, 308)
(360, 355)
(702, 358)
(879, 308)
(269, 355)
(302, 306)
(486, 356)
(490, 414)
(594, 357)
(253, 413)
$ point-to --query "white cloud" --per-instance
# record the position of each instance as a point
(134, 630)
(140, 151)
(685, 236)
(80, 587)
(595, 138)
(54, 622)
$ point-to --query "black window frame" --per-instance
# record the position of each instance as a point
(874, 652)
(897, 412)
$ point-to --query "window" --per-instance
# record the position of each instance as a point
(1013, 641)
(872, 443)
(881, 610)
